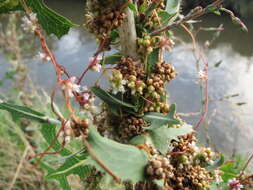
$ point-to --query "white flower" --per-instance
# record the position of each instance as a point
(95, 62)
(29, 23)
(96, 68)
(217, 176)
(202, 76)
(234, 184)
(44, 56)
(70, 86)
(119, 88)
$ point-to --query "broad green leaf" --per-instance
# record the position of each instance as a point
(132, 7)
(157, 119)
(9, 5)
(162, 136)
(110, 98)
(152, 60)
(165, 16)
(173, 8)
(125, 161)
(107, 183)
(22, 111)
(112, 59)
(51, 22)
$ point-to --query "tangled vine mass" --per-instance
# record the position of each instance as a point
(135, 137)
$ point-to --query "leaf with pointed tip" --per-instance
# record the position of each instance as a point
(160, 137)
(173, 8)
(163, 135)
(125, 161)
(165, 16)
(110, 98)
(23, 112)
(51, 22)
(157, 119)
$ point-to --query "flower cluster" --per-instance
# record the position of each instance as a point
(95, 63)
(44, 56)
(117, 82)
(234, 184)
(29, 22)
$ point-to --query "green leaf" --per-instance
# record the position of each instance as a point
(51, 22)
(71, 166)
(107, 183)
(62, 179)
(230, 171)
(213, 9)
(165, 16)
(157, 119)
(173, 8)
(125, 161)
(152, 60)
(112, 59)
(22, 111)
(160, 137)
(132, 7)
(110, 98)
(9, 5)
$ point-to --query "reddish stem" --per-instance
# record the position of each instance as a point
(206, 103)
(100, 49)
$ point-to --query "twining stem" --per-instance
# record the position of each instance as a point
(200, 12)
(246, 165)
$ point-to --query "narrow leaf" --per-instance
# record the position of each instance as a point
(22, 111)
(110, 98)
(173, 8)
(165, 16)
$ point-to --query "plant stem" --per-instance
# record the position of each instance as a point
(128, 35)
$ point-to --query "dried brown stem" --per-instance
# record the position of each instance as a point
(197, 14)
